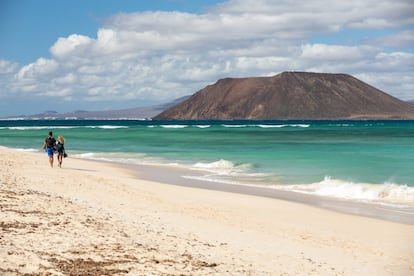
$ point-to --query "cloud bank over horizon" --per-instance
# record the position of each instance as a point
(156, 56)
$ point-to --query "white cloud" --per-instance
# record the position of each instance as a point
(68, 79)
(403, 39)
(7, 67)
(164, 55)
(74, 45)
(37, 70)
(338, 14)
(337, 53)
(400, 85)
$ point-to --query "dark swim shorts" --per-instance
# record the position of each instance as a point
(50, 151)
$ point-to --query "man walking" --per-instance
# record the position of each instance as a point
(50, 144)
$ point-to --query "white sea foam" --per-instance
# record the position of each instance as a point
(122, 157)
(174, 126)
(235, 126)
(387, 193)
(272, 126)
(107, 127)
(210, 178)
(267, 126)
(341, 125)
(27, 150)
(87, 155)
(280, 126)
(224, 169)
(300, 125)
(108, 155)
(220, 167)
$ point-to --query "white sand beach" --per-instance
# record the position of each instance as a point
(95, 218)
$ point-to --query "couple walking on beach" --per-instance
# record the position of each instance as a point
(51, 146)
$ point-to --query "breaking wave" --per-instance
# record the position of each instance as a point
(107, 127)
(174, 126)
(266, 126)
(387, 193)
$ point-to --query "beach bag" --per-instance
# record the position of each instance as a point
(65, 154)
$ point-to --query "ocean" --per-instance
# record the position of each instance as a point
(370, 161)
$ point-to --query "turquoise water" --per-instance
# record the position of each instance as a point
(360, 160)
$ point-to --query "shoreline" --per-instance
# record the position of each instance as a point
(174, 176)
(101, 218)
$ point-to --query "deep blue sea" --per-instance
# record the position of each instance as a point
(356, 160)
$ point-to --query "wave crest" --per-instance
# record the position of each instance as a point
(107, 127)
(222, 167)
(389, 193)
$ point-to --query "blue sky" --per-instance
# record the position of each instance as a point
(40, 23)
(108, 54)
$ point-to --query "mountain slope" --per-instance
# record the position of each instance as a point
(290, 96)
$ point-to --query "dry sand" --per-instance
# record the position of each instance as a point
(92, 218)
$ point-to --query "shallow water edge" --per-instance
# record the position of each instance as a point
(174, 176)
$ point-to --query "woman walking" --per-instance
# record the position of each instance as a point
(60, 150)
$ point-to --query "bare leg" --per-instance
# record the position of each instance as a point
(60, 158)
(51, 161)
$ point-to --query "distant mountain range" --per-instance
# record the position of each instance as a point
(139, 113)
(290, 96)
